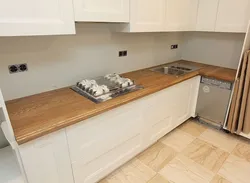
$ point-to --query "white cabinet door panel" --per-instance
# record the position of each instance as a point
(181, 15)
(108, 162)
(102, 10)
(36, 17)
(98, 135)
(147, 15)
(233, 16)
(160, 129)
(186, 95)
(47, 159)
(192, 15)
(207, 13)
(183, 99)
(194, 95)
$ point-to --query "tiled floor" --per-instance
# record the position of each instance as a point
(192, 153)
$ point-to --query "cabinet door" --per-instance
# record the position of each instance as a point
(36, 17)
(233, 16)
(103, 165)
(103, 143)
(47, 159)
(181, 15)
(147, 15)
(158, 115)
(207, 13)
(101, 10)
(186, 94)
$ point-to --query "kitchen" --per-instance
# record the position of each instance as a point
(58, 135)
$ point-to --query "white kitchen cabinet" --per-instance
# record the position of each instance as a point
(101, 144)
(158, 115)
(186, 95)
(36, 17)
(101, 10)
(9, 168)
(147, 15)
(181, 15)
(161, 16)
(233, 16)
(207, 14)
(169, 108)
(47, 159)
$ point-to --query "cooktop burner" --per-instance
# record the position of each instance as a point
(105, 88)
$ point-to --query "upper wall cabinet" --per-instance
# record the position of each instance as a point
(207, 13)
(162, 15)
(181, 15)
(233, 16)
(36, 17)
(101, 10)
(147, 15)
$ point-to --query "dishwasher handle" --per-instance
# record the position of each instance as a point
(218, 83)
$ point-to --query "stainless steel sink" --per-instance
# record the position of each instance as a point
(176, 69)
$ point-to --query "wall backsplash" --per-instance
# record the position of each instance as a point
(221, 49)
(58, 61)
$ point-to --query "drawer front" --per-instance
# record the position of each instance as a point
(106, 163)
(96, 136)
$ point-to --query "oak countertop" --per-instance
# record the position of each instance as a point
(37, 115)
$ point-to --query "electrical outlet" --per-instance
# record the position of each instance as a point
(123, 53)
(174, 46)
(120, 53)
(13, 69)
(23, 67)
(18, 68)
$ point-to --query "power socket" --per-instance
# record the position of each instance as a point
(123, 53)
(174, 46)
(18, 68)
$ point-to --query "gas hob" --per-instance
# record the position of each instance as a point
(104, 88)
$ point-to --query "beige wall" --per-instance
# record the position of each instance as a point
(58, 61)
(221, 49)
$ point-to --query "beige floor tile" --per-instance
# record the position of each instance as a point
(205, 154)
(236, 170)
(219, 139)
(242, 150)
(157, 156)
(219, 179)
(177, 140)
(158, 179)
(103, 181)
(132, 172)
(192, 127)
(183, 170)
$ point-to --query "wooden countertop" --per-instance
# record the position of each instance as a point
(34, 116)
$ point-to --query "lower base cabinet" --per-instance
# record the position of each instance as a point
(88, 151)
(47, 160)
(101, 166)
(103, 143)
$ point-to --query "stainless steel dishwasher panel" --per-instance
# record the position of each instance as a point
(213, 100)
